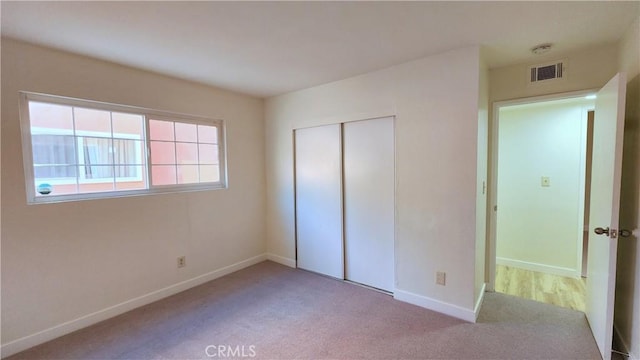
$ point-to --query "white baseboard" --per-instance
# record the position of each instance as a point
(281, 260)
(435, 305)
(479, 301)
(549, 269)
(43, 336)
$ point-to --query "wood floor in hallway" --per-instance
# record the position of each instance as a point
(547, 288)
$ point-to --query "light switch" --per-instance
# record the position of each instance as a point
(545, 182)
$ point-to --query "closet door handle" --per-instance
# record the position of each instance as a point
(601, 231)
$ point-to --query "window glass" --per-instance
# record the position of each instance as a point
(186, 153)
(194, 145)
(127, 125)
(207, 134)
(161, 130)
(208, 154)
(126, 177)
(50, 116)
(163, 152)
(188, 174)
(209, 173)
(80, 149)
(186, 132)
(163, 174)
(92, 122)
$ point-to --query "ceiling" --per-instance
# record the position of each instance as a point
(269, 48)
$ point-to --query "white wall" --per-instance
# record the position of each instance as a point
(540, 228)
(435, 101)
(65, 261)
(627, 306)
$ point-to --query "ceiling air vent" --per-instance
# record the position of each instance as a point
(546, 72)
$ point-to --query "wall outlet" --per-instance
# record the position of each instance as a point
(182, 261)
(441, 278)
(545, 181)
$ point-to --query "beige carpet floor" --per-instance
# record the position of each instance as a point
(274, 312)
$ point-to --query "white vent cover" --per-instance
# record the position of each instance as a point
(546, 72)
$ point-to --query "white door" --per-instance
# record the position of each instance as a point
(318, 172)
(604, 209)
(369, 202)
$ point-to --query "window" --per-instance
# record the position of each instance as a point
(183, 153)
(78, 149)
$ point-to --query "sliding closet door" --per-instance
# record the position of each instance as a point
(318, 170)
(369, 202)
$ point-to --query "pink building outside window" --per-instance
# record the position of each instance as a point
(183, 153)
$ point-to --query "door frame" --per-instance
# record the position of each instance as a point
(490, 268)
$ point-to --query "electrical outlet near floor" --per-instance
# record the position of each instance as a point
(441, 278)
(545, 181)
(182, 261)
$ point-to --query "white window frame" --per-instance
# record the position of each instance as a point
(147, 114)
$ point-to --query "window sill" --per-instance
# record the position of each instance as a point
(168, 189)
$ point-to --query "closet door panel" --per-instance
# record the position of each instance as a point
(318, 171)
(369, 202)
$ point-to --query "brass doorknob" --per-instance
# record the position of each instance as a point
(605, 231)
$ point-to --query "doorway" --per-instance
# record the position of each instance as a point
(541, 149)
(604, 203)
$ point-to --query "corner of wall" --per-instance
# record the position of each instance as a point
(629, 50)
(482, 177)
(479, 301)
(282, 260)
(439, 306)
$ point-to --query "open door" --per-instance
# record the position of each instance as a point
(604, 210)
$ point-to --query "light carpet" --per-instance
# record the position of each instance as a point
(269, 311)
